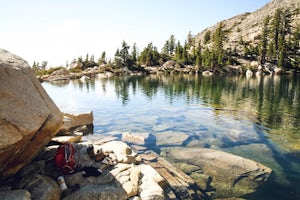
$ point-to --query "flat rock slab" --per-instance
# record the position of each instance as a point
(171, 138)
(67, 139)
(232, 176)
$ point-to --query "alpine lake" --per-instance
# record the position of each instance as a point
(256, 118)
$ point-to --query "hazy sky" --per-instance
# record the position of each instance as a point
(60, 30)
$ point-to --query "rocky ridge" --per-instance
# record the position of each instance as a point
(248, 26)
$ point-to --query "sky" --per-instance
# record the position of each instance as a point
(57, 31)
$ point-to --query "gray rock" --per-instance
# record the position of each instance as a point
(179, 183)
(123, 152)
(171, 138)
(99, 192)
(248, 26)
(85, 78)
(40, 187)
(28, 117)
(134, 138)
(67, 139)
(232, 176)
(149, 187)
(249, 73)
(37, 167)
(62, 71)
(76, 66)
(207, 73)
(78, 179)
(15, 194)
(72, 121)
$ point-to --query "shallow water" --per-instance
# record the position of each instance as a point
(257, 118)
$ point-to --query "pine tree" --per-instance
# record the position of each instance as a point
(178, 52)
(264, 40)
(218, 52)
(276, 27)
(149, 56)
(172, 46)
(92, 62)
(122, 56)
(166, 48)
(134, 54)
(102, 59)
(190, 39)
(207, 36)
(284, 29)
(198, 56)
(185, 56)
(79, 59)
(86, 62)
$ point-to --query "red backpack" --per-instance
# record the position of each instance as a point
(64, 158)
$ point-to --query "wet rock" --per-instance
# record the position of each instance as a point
(202, 180)
(261, 152)
(28, 117)
(187, 168)
(15, 194)
(40, 187)
(149, 155)
(171, 138)
(232, 176)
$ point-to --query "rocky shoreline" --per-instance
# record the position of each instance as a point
(142, 175)
(131, 175)
(169, 67)
(32, 126)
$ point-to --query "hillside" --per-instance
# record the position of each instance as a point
(246, 30)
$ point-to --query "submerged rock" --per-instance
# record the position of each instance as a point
(171, 138)
(231, 176)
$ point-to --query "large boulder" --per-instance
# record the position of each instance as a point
(28, 117)
(231, 175)
(40, 187)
